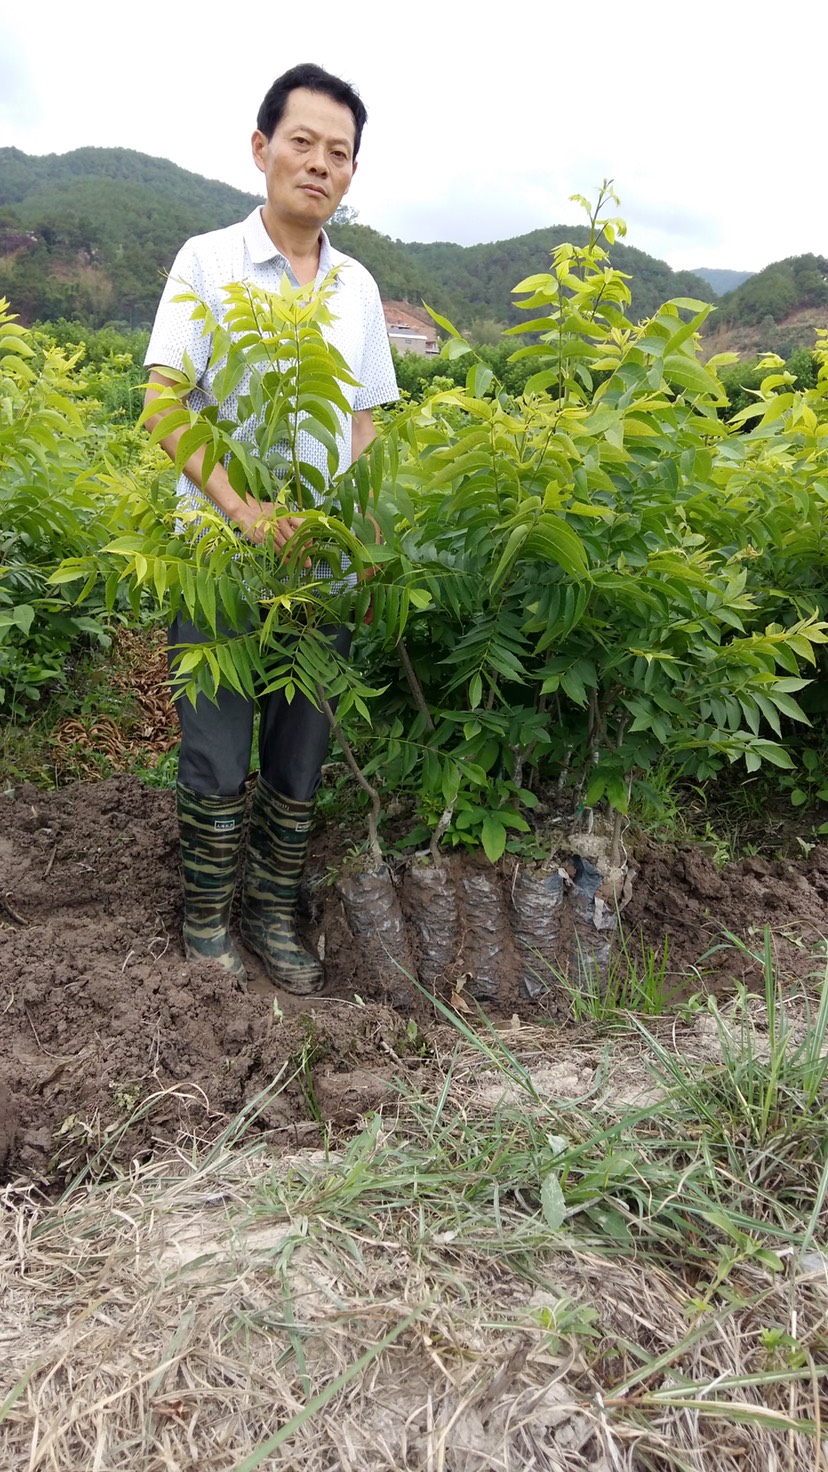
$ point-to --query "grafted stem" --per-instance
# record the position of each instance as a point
(436, 837)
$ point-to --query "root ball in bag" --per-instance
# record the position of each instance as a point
(594, 923)
(430, 895)
(489, 954)
(536, 921)
(373, 913)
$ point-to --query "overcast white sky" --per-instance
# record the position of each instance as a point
(483, 118)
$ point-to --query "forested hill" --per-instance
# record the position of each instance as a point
(399, 276)
(36, 179)
(479, 278)
(781, 288)
(89, 234)
(778, 310)
(107, 223)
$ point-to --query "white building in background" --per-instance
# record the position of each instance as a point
(410, 329)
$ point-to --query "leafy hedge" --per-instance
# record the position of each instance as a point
(64, 440)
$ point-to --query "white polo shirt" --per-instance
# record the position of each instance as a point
(245, 252)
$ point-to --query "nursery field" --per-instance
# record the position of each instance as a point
(539, 1179)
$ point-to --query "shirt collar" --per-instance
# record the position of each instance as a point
(261, 247)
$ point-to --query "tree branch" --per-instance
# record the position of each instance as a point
(414, 685)
(376, 806)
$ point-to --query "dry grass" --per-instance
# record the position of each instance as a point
(409, 1301)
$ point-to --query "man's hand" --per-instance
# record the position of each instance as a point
(257, 519)
(260, 524)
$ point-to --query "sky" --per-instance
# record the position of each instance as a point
(483, 120)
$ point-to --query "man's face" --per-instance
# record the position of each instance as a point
(309, 162)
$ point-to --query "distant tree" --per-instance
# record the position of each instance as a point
(484, 332)
(812, 287)
(344, 215)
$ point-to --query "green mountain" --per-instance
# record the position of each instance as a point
(480, 278)
(89, 235)
(721, 280)
(776, 311)
(107, 223)
(781, 288)
(33, 177)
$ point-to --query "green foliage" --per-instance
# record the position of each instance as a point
(50, 507)
(742, 381)
(806, 785)
(112, 360)
(479, 278)
(615, 576)
(595, 574)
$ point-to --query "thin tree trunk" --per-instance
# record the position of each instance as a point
(376, 806)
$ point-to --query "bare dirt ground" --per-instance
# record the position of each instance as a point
(798, 329)
(101, 1016)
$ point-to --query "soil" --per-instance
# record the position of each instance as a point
(798, 329)
(679, 894)
(111, 1042)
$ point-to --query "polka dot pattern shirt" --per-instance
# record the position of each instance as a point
(245, 252)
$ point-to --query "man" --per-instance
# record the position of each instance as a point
(306, 142)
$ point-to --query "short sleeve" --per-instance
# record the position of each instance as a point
(174, 332)
(378, 384)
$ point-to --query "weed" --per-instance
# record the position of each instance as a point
(807, 786)
(761, 1110)
(782, 1350)
(567, 1323)
(315, 1045)
(412, 1042)
(642, 984)
(162, 772)
(128, 1097)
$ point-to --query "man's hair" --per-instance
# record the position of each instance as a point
(314, 79)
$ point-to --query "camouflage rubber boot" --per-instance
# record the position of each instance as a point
(210, 830)
(277, 847)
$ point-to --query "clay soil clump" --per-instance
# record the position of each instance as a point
(111, 1043)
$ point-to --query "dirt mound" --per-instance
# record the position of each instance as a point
(680, 894)
(110, 1041)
